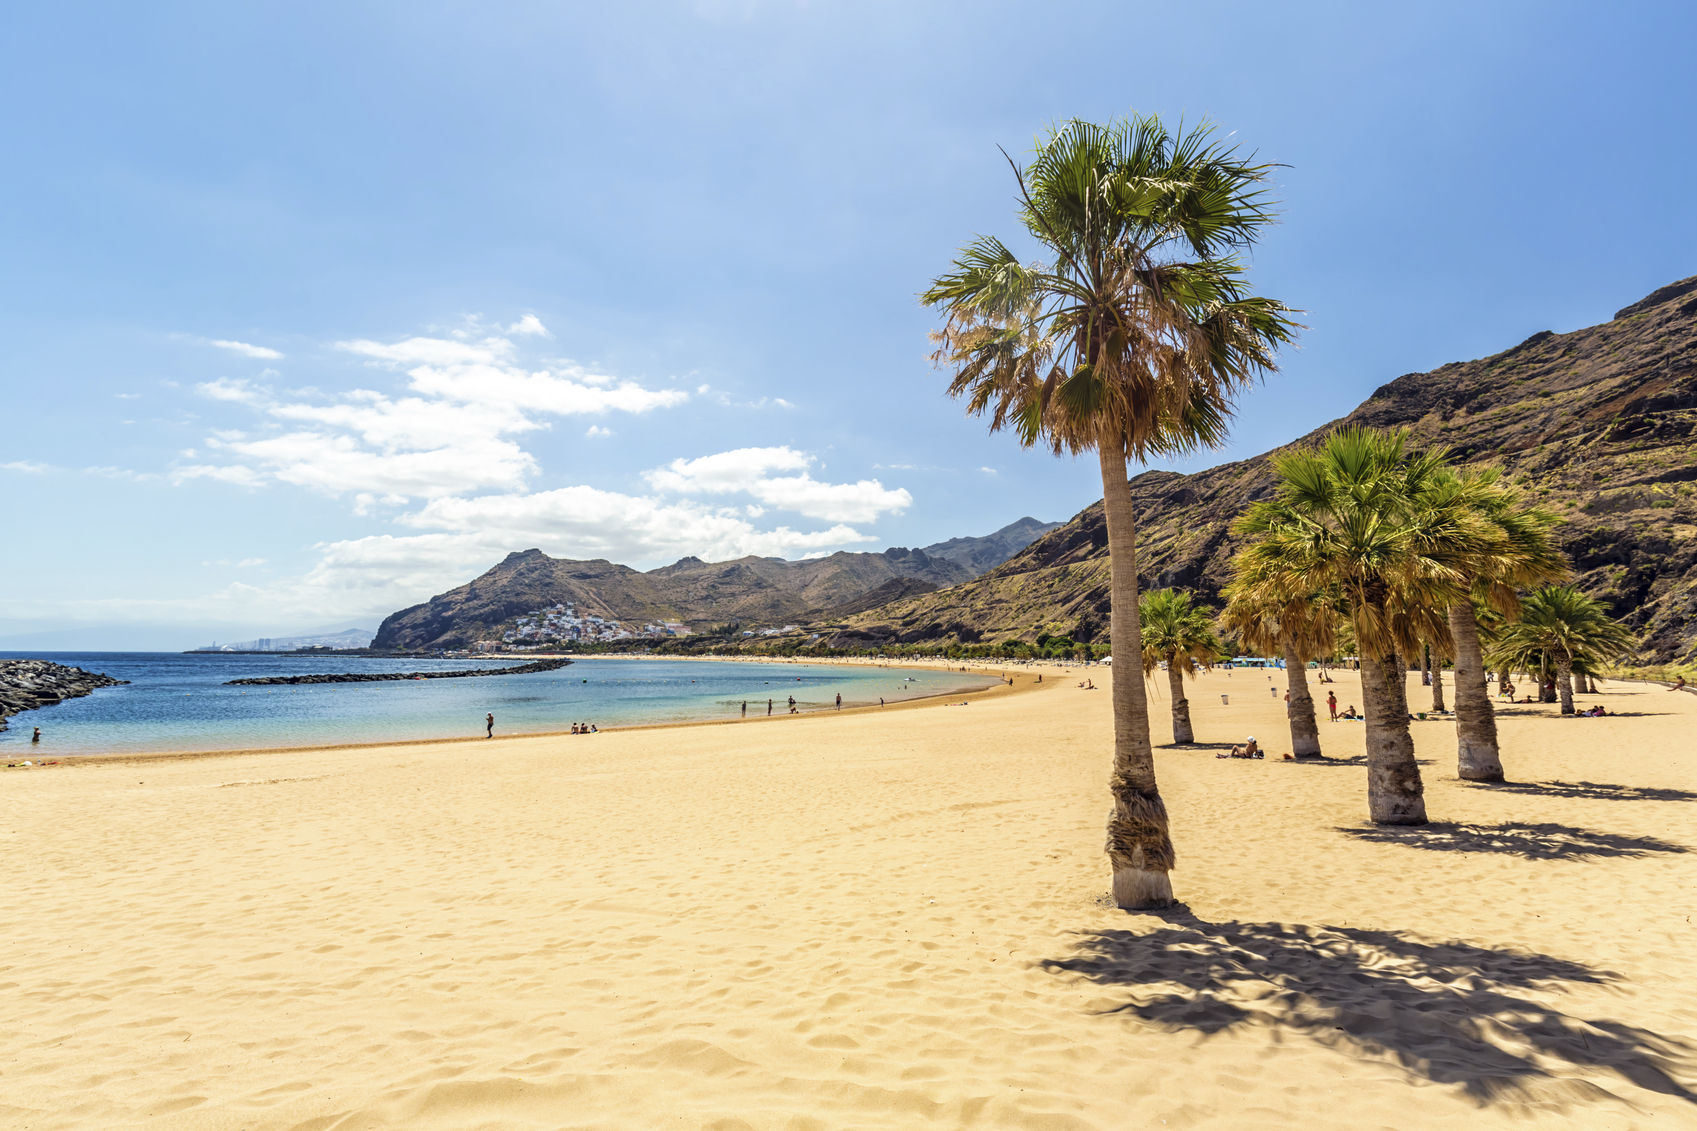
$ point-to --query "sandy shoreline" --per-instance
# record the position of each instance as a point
(1027, 684)
(872, 920)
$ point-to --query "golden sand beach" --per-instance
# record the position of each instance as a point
(872, 920)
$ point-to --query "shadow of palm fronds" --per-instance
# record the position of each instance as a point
(1451, 1013)
(1515, 838)
(1588, 790)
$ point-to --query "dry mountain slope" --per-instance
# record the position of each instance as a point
(1600, 424)
(752, 590)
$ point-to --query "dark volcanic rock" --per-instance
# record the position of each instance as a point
(382, 677)
(28, 684)
(1599, 425)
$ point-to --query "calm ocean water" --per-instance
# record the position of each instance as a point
(178, 702)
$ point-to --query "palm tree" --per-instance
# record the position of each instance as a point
(1299, 630)
(1177, 633)
(1356, 516)
(1559, 626)
(1521, 553)
(1131, 338)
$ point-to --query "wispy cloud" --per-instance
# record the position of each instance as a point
(244, 348)
(529, 324)
(451, 435)
(748, 471)
(27, 466)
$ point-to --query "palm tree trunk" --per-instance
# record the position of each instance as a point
(1395, 795)
(1564, 683)
(1304, 730)
(1181, 706)
(1425, 665)
(1438, 686)
(1546, 683)
(1140, 847)
(1477, 758)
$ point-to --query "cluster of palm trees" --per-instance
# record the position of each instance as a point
(1130, 336)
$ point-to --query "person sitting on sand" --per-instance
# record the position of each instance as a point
(592, 729)
(574, 728)
(1506, 691)
(1350, 713)
(1678, 684)
(1249, 749)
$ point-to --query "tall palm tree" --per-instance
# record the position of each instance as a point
(1179, 634)
(1355, 516)
(1520, 553)
(1299, 630)
(1560, 626)
(1130, 338)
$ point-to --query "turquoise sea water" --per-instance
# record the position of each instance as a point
(178, 702)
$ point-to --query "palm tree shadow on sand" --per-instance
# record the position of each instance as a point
(1588, 790)
(1515, 838)
(1450, 1013)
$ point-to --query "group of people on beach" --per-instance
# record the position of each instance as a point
(584, 728)
(1348, 712)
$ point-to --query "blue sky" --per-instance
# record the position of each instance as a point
(314, 310)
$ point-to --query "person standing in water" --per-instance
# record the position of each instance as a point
(768, 706)
(839, 700)
(745, 708)
(490, 719)
(36, 737)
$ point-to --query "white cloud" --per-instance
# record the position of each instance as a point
(120, 473)
(989, 471)
(242, 348)
(583, 522)
(451, 436)
(27, 466)
(747, 470)
(236, 474)
(441, 456)
(529, 324)
(726, 471)
(127, 396)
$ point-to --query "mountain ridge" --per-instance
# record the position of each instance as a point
(1600, 424)
(690, 591)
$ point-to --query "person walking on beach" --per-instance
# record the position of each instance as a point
(1332, 704)
(839, 700)
(768, 706)
(490, 719)
(745, 708)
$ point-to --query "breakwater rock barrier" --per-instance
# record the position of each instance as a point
(28, 684)
(378, 677)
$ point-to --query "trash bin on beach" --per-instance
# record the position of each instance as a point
(1225, 701)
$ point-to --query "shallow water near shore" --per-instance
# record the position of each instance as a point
(179, 702)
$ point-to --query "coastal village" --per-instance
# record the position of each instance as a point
(562, 624)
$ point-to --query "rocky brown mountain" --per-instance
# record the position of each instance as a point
(990, 551)
(751, 590)
(1599, 425)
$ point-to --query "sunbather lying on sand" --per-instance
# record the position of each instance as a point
(1249, 749)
